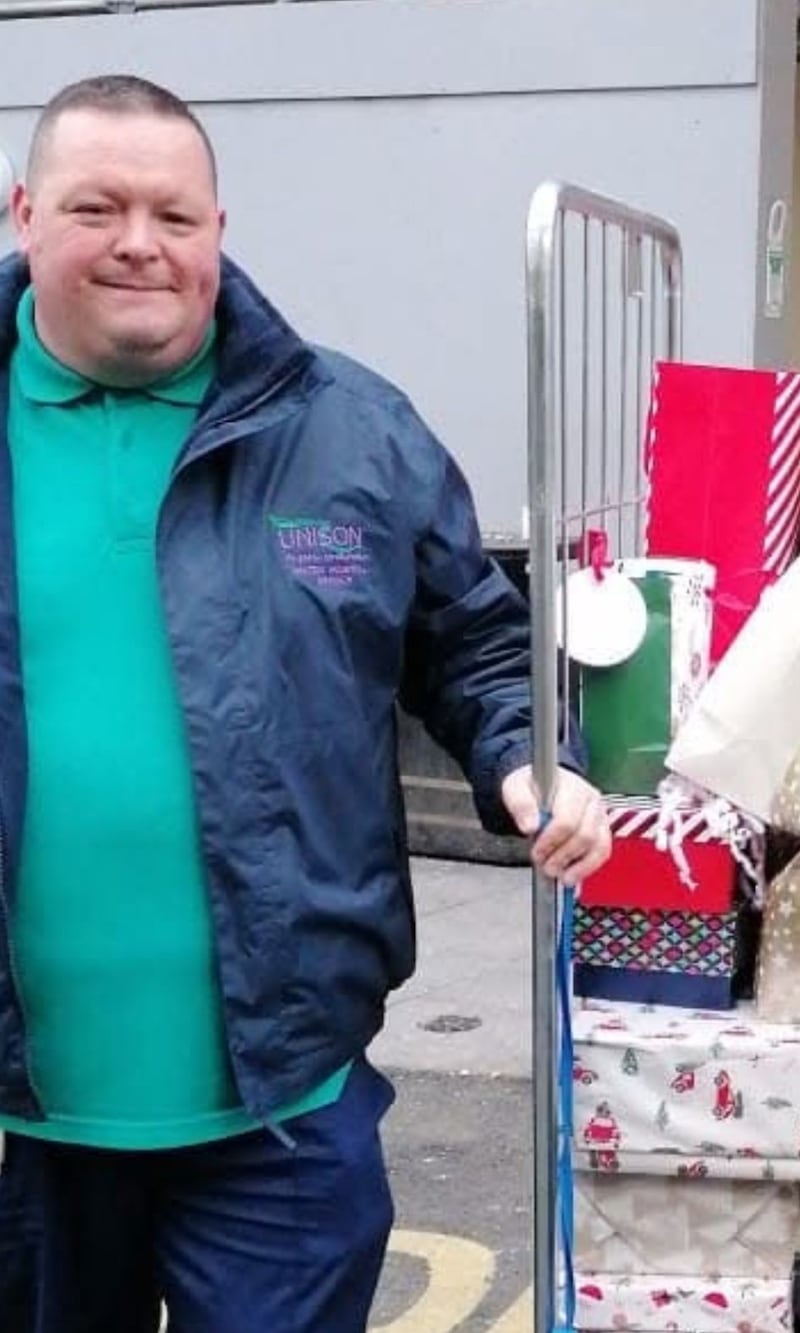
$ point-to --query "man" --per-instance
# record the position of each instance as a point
(224, 556)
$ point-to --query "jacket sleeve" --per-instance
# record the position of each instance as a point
(467, 668)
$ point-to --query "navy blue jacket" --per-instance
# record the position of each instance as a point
(318, 558)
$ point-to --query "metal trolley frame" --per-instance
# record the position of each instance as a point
(603, 305)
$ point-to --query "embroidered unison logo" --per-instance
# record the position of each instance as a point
(327, 553)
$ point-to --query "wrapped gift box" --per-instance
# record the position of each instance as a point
(681, 958)
(662, 921)
(720, 1227)
(643, 873)
(652, 1303)
(631, 711)
(723, 461)
(660, 1091)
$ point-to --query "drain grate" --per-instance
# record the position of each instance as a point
(451, 1023)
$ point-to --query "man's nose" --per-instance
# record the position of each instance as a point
(137, 236)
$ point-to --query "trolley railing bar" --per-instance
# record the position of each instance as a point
(639, 387)
(586, 313)
(623, 380)
(565, 478)
(548, 310)
(597, 511)
(672, 278)
(653, 260)
(604, 367)
(653, 343)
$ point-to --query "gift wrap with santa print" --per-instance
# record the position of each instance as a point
(630, 711)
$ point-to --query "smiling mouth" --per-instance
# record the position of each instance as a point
(129, 286)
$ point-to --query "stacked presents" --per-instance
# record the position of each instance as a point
(687, 1115)
(687, 1180)
(667, 919)
(655, 924)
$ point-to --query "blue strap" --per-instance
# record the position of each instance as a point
(565, 1184)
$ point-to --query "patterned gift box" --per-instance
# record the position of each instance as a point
(669, 957)
(665, 941)
(662, 922)
(652, 1303)
(724, 479)
(697, 1094)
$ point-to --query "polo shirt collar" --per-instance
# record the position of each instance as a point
(45, 379)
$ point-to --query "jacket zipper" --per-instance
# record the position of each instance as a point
(182, 465)
(185, 461)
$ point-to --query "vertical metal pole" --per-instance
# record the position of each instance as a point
(673, 282)
(653, 326)
(563, 482)
(585, 326)
(652, 358)
(541, 486)
(623, 388)
(635, 526)
(604, 491)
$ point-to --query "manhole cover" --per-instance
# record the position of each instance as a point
(450, 1023)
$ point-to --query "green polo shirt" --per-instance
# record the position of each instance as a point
(111, 932)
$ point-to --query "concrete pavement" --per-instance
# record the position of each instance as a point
(458, 1148)
(468, 1007)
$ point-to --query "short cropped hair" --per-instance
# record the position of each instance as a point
(116, 94)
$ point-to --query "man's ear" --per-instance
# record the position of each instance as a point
(21, 213)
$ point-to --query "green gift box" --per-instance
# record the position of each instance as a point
(631, 711)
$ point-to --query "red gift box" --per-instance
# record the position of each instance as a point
(723, 464)
(638, 874)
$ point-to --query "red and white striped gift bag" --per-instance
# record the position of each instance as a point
(723, 465)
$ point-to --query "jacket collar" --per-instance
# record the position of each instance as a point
(256, 348)
(14, 278)
(44, 379)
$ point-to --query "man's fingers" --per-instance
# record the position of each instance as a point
(577, 839)
(581, 854)
(521, 801)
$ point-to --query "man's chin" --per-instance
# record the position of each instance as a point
(137, 358)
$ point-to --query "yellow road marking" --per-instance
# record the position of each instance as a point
(519, 1318)
(460, 1273)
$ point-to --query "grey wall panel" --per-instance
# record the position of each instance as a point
(394, 227)
(355, 48)
(399, 234)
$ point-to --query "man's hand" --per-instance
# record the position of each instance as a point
(577, 840)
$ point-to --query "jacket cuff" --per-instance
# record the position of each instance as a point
(486, 788)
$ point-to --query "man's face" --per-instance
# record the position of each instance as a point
(122, 233)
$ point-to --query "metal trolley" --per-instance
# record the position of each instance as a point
(603, 305)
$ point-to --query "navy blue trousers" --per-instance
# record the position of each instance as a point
(247, 1235)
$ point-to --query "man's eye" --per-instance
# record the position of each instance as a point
(177, 219)
(91, 210)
